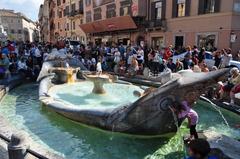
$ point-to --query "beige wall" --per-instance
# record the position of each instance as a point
(62, 21)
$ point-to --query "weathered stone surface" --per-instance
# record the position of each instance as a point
(3, 150)
(229, 146)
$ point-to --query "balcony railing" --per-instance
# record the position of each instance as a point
(155, 24)
(74, 13)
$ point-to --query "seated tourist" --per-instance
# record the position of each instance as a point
(4, 65)
(232, 85)
(121, 67)
(133, 68)
(22, 67)
(179, 65)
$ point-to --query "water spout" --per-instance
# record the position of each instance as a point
(216, 108)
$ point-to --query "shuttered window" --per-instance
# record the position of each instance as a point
(158, 10)
(209, 6)
(181, 8)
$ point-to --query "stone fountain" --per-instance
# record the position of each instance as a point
(148, 115)
(99, 81)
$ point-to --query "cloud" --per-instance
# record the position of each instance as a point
(28, 7)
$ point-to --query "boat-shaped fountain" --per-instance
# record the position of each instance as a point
(104, 102)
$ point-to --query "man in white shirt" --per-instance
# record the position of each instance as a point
(227, 57)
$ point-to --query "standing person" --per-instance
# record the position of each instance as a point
(121, 50)
(140, 55)
(117, 56)
(187, 61)
(150, 56)
(217, 58)
(171, 65)
(201, 55)
(38, 56)
(226, 58)
(156, 63)
(99, 67)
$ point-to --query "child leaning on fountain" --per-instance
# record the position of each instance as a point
(184, 110)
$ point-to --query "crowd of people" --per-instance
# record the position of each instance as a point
(20, 58)
(132, 60)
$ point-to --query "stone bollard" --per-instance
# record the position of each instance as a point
(17, 147)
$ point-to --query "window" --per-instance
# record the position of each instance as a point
(97, 3)
(12, 31)
(67, 10)
(111, 10)
(63, 1)
(58, 25)
(209, 6)
(208, 41)
(181, 8)
(88, 16)
(67, 26)
(58, 2)
(64, 12)
(19, 31)
(81, 6)
(74, 26)
(73, 9)
(157, 41)
(158, 10)
(60, 14)
(88, 2)
(97, 14)
(125, 8)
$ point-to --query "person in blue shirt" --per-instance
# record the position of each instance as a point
(199, 149)
(5, 50)
(122, 50)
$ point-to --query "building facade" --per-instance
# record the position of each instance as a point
(18, 27)
(205, 23)
(65, 16)
(44, 23)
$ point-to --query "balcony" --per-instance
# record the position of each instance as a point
(75, 13)
(155, 24)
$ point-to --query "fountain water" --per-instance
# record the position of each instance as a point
(216, 108)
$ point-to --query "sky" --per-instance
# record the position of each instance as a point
(27, 7)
